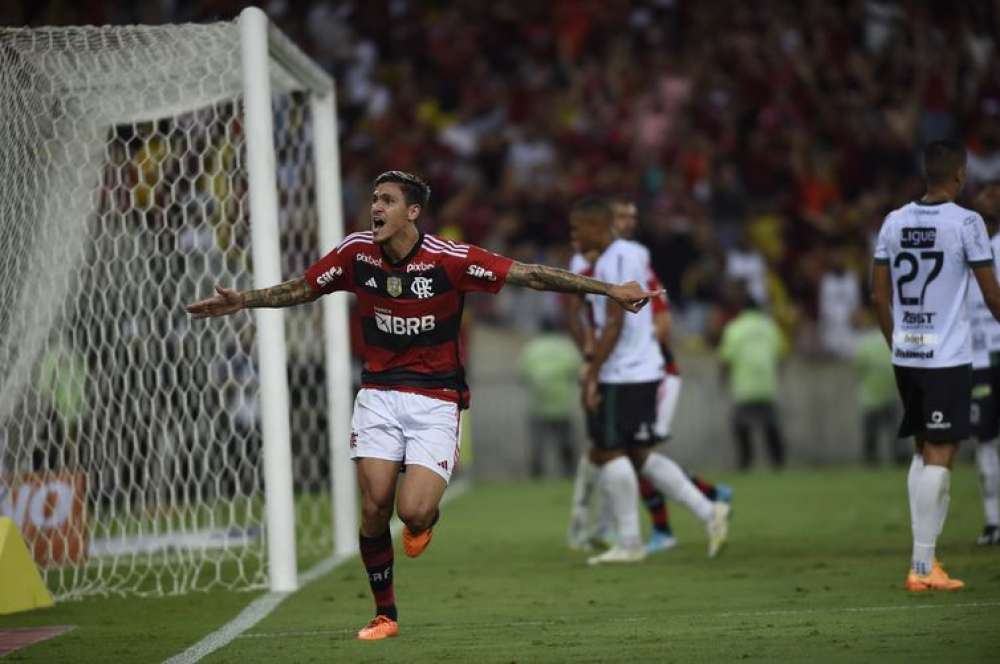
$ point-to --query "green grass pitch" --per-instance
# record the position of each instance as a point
(813, 572)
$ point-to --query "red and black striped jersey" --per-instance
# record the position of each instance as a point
(411, 310)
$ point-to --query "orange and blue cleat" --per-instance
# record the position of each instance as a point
(938, 579)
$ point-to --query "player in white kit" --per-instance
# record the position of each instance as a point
(620, 390)
(986, 377)
(925, 254)
(581, 535)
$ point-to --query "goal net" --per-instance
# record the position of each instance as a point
(131, 445)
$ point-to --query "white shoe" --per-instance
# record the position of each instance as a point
(718, 528)
(618, 554)
(578, 536)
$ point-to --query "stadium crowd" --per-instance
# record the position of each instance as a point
(765, 140)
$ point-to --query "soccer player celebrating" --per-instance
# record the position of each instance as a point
(622, 378)
(923, 258)
(410, 288)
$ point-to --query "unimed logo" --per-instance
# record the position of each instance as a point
(404, 326)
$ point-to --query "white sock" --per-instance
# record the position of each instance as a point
(988, 463)
(930, 508)
(622, 486)
(583, 485)
(605, 523)
(916, 466)
(672, 482)
(944, 500)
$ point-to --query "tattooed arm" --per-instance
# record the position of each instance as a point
(631, 296)
(226, 301)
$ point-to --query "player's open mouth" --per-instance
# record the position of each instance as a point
(377, 223)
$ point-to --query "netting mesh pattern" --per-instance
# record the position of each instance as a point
(130, 451)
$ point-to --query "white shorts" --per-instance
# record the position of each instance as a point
(406, 427)
(667, 396)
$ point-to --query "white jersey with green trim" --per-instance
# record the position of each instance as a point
(930, 248)
(636, 357)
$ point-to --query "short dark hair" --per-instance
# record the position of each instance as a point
(592, 205)
(415, 190)
(942, 159)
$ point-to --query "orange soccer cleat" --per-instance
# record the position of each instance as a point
(938, 579)
(381, 627)
(414, 545)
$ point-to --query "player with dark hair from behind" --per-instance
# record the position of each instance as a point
(925, 253)
(410, 288)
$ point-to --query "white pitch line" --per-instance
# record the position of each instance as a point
(261, 607)
(637, 619)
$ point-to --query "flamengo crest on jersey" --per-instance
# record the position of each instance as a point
(929, 249)
(636, 357)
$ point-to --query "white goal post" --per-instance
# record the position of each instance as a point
(140, 451)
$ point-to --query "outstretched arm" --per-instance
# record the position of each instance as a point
(227, 301)
(631, 296)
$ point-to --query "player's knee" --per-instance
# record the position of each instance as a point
(939, 454)
(375, 511)
(416, 515)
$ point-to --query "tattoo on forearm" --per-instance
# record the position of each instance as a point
(287, 294)
(543, 277)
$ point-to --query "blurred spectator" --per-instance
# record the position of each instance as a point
(839, 299)
(877, 394)
(750, 352)
(744, 263)
(549, 365)
(748, 135)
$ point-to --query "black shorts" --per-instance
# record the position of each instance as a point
(625, 417)
(936, 402)
(983, 415)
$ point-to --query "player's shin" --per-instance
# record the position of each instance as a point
(674, 483)
(930, 509)
(377, 555)
(583, 491)
(988, 465)
(912, 477)
(623, 493)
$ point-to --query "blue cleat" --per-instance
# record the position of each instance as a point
(660, 541)
(724, 492)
